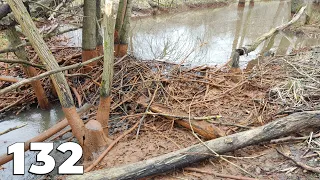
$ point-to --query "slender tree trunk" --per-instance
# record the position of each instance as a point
(89, 40)
(108, 48)
(122, 28)
(99, 46)
(30, 71)
(59, 81)
(125, 29)
(119, 21)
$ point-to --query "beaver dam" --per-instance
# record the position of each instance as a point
(180, 107)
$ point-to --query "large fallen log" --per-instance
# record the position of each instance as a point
(46, 134)
(249, 48)
(184, 157)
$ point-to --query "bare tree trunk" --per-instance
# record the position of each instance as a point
(89, 40)
(107, 75)
(99, 45)
(59, 81)
(122, 27)
(124, 33)
(119, 21)
(30, 71)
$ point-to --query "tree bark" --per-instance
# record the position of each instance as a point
(59, 81)
(199, 152)
(99, 46)
(95, 139)
(89, 41)
(122, 27)
(120, 19)
(125, 29)
(107, 74)
(30, 71)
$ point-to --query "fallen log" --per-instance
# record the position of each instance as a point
(203, 128)
(46, 134)
(195, 153)
(249, 48)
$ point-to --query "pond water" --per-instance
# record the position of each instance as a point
(208, 36)
(37, 121)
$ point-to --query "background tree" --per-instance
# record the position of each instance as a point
(89, 40)
(122, 27)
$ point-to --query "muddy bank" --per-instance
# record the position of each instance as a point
(142, 8)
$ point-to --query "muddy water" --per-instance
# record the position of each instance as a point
(37, 121)
(207, 37)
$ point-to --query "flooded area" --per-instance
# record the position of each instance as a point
(37, 121)
(208, 36)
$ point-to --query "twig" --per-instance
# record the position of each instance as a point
(147, 109)
(96, 162)
(291, 138)
(300, 164)
(29, 80)
(19, 61)
(219, 175)
(11, 129)
(56, 10)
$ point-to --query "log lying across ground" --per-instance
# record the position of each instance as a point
(184, 157)
(46, 134)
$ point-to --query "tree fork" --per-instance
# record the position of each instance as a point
(59, 81)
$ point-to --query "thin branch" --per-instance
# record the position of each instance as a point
(11, 129)
(29, 80)
(56, 11)
(20, 61)
(219, 175)
(300, 164)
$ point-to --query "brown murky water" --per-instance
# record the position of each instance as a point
(207, 37)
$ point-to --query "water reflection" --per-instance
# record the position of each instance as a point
(207, 37)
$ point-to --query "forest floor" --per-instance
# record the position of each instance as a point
(275, 87)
